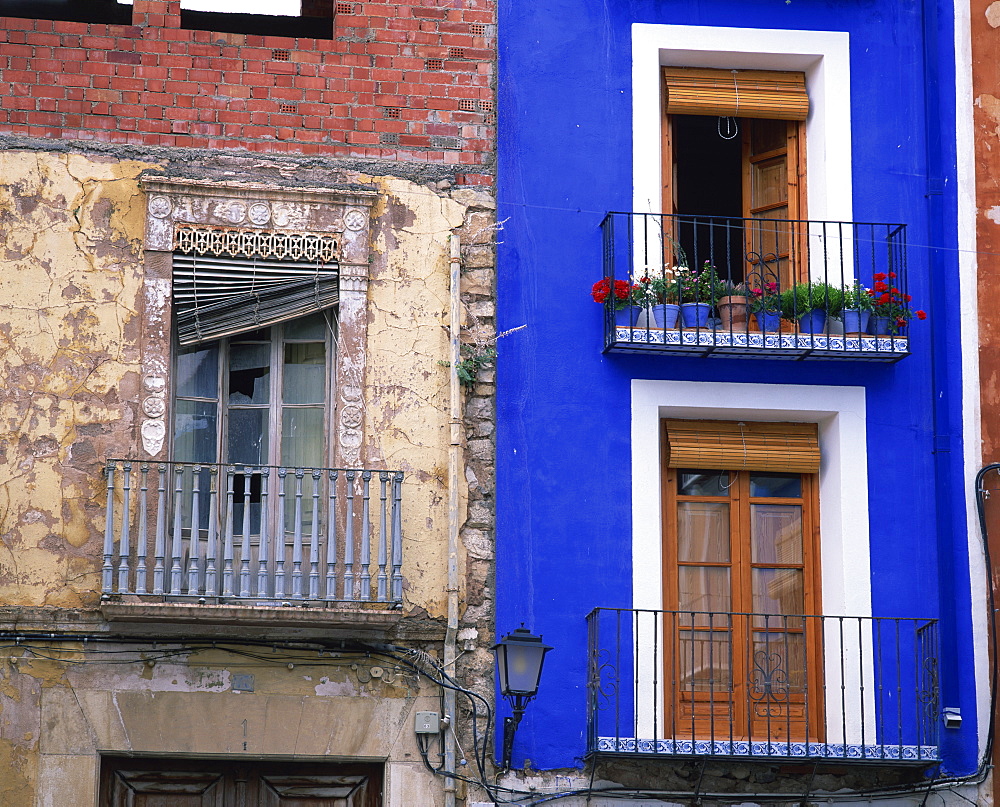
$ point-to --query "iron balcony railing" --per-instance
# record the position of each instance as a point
(783, 272)
(760, 685)
(214, 532)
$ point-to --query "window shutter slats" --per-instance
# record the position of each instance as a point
(739, 93)
(216, 297)
(727, 446)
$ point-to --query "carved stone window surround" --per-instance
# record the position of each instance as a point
(345, 212)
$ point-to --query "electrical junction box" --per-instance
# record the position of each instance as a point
(427, 723)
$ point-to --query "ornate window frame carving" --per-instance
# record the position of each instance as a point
(345, 213)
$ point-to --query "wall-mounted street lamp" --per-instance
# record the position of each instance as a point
(519, 665)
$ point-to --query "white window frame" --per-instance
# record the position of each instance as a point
(824, 56)
(840, 413)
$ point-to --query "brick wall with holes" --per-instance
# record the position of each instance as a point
(407, 80)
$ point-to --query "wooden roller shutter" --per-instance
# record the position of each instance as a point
(733, 446)
(217, 297)
(736, 93)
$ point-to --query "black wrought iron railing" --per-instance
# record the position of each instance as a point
(214, 532)
(763, 685)
(696, 285)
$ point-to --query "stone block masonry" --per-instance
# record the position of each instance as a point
(402, 81)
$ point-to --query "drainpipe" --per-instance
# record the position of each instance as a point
(454, 480)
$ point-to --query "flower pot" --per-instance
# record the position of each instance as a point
(813, 321)
(695, 315)
(855, 320)
(666, 315)
(627, 317)
(886, 326)
(733, 313)
(769, 321)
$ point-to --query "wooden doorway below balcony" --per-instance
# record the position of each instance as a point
(158, 782)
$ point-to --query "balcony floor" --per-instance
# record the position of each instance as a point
(874, 753)
(705, 342)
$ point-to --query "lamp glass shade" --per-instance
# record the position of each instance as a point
(519, 662)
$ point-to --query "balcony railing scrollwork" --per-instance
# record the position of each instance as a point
(252, 534)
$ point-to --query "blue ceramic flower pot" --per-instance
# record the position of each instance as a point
(695, 315)
(666, 315)
(769, 321)
(855, 320)
(627, 317)
(813, 321)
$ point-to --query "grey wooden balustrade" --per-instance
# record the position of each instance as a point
(220, 532)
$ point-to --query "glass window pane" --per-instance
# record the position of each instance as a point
(302, 443)
(260, 335)
(198, 371)
(703, 483)
(778, 591)
(704, 589)
(703, 532)
(776, 486)
(312, 327)
(706, 661)
(776, 533)
(195, 424)
(305, 373)
(249, 373)
(248, 436)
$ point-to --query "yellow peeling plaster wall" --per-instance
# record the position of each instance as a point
(71, 228)
(70, 236)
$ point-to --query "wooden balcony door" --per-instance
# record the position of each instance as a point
(742, 662)
(772, 183)
(244, 783)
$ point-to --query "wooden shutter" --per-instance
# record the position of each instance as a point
(219, 296)
(733, 446)
(736, 93)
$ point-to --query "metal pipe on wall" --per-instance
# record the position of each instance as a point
(454, 480)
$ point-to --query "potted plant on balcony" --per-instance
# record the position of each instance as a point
(664, 291)
(697, 290)
(617, 295)
(811, 303)
(856, 308)
(733, 305)
(765, 305)
(890, 307)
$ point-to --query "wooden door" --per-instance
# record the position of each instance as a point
(773, 190)
(237, 783)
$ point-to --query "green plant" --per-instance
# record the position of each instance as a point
(476, 358)
(698, 285)
(857, 298)
(805, 297)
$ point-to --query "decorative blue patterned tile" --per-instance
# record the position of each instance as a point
(775, 749)
(852, 346)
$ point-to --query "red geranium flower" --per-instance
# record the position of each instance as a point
(900, 322)
(880, 286)
(601, 290)
(921, 315)
(879, 276)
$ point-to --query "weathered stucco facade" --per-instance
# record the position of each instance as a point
(76, 335)
(78, 344)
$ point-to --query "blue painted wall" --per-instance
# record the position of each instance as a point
(563, 452)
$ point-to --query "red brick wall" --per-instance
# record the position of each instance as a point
(375, 91)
